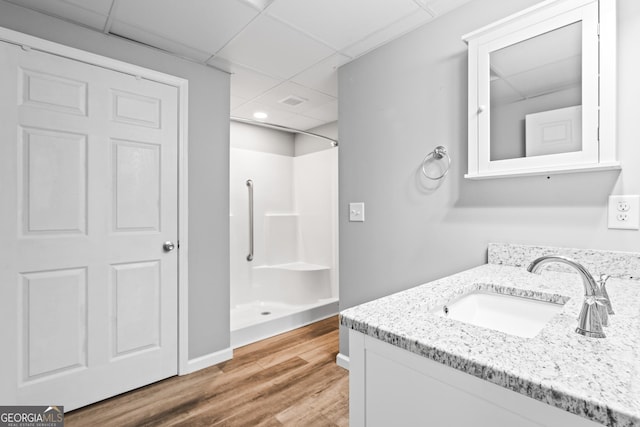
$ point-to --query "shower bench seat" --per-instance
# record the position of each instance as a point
(295, 266)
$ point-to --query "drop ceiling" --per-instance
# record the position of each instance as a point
(274, 49)
(542, 65)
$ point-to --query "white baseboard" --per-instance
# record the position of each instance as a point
(342, 361)
(207, 360)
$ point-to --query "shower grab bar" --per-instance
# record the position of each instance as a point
(250, 189)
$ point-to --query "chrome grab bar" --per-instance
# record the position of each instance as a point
(250, 188)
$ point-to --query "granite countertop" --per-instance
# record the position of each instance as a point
(598, 379)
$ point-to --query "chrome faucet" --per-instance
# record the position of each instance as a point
(596, 306)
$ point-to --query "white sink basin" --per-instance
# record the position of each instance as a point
(514, 315)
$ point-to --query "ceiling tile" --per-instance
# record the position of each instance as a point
(92, 13)
(323, 76)
(250, 84)
(341, 23)
(100, 6)
(549, 78)
(297, 121)
(134, 33)
(200, 24)
(259, 4)
(326, 113)
(400, 27)
(313, 98)
(274, 48)
(440, 7)
(275, 116)
(545, 49)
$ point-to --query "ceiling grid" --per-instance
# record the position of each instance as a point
(273, 49)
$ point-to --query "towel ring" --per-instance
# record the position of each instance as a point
(438, 153)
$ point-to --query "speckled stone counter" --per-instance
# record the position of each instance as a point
(598, 379)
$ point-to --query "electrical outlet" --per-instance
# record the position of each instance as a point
(622, 217)
(623, 206)
(624, 212)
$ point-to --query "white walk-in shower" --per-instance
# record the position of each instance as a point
(284, 219)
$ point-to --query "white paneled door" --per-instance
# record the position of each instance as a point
(88, 180)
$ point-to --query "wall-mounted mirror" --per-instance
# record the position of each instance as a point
(533, 83)
(535, 104)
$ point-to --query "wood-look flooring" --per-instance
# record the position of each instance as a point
(287, 380)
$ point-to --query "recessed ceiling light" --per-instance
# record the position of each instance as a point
(260, 115)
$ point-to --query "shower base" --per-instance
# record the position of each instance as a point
(259, 320)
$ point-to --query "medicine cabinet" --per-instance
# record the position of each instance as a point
(542, 91)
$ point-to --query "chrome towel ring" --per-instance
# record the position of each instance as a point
(438, 153)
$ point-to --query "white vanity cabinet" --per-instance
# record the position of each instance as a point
(542, 91)
(389, 386)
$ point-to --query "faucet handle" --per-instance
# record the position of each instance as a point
(592, 318)
(602, 282)
(600, 303)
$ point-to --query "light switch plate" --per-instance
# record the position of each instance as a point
(624, 212)
(356, 212)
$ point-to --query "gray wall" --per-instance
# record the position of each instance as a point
(257, 138)
(508, 121)
(306, 144)
(208, 165)
(400, 101)
(265, 140)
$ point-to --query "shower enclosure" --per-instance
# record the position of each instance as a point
(283, 233)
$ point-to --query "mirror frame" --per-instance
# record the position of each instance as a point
(598, 120)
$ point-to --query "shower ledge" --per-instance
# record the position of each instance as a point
(295, 266)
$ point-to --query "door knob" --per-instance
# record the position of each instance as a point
(168, 246)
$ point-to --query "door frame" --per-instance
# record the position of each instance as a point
(30, 42)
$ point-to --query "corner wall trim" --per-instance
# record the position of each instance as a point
(342, 361)
(207, 360)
